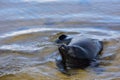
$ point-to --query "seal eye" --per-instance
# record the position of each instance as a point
(63, 48)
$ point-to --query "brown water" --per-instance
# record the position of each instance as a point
(29, 27)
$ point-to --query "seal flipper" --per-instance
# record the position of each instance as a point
(61, 66)
(94, 63)
(101, 47)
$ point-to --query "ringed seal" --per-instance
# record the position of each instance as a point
(77, 53)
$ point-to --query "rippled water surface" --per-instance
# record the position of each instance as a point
(29, 27)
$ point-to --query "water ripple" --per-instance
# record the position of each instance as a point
(16, 47)
(33, 30)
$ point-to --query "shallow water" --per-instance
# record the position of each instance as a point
(29, 27)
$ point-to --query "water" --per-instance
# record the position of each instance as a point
(29, 27)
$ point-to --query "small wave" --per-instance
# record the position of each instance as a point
(84, 30)
(16, 47)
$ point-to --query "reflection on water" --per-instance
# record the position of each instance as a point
(29, 27)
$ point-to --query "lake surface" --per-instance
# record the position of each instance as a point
(28, 29)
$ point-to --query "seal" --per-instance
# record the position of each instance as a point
(77, 52)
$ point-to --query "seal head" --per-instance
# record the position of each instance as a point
(63, 39)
